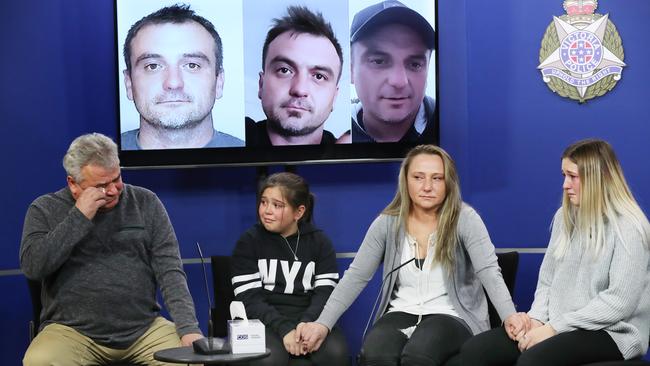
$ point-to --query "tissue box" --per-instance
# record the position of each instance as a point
(246, 336)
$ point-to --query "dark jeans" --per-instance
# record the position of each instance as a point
(333, 351)
(435, 340)
(634, 362)
(565, 349)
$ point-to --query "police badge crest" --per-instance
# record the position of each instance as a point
(582, 53)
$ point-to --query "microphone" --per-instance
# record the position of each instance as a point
(209, 345)
(381, 287)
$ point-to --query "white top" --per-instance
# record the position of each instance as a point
(420, 291)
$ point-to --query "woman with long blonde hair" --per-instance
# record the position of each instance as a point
(437, 258)
(592, 303)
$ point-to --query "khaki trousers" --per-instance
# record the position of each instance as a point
(60, 345)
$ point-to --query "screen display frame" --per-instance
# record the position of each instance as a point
(268, 155)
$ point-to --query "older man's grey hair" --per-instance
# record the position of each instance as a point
(92, 148)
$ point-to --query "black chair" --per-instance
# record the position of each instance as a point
(223, 294)
(35, 295)
(509, 262)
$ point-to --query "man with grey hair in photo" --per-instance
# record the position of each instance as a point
(100, 249)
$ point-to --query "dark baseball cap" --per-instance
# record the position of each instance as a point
(387, 12)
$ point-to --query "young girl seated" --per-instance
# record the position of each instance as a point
(284, 270)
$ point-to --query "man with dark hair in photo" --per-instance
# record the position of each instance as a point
(174, 74)
(100, 249)
(301, 67)
(391, 47)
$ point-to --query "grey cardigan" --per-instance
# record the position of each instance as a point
(475, 267)
(607, 292)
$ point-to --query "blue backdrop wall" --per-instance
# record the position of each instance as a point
(504, 127)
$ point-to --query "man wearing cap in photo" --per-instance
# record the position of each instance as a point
(391, 46)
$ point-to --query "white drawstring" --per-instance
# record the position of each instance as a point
(419, 279)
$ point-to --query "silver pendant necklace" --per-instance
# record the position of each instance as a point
(295, 253)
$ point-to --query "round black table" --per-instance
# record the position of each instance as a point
(188, 356)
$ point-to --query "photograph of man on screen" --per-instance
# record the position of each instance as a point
(391, 49)
(174, 74)
(302, 62)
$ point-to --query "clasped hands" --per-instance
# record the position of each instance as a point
(526, 331)
(306, 338)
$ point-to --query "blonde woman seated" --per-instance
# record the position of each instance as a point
(435, 301)
(592, 303)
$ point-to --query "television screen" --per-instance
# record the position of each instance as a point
(256, 82)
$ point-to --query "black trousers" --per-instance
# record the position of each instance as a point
(435, 340)
(565, 349)
(333, 351)
(634, 362)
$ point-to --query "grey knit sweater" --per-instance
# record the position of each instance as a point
(475, 267)
(608, 291)
(100, 276)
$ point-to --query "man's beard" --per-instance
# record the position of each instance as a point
(174, 121)
(289, 130)
(174, 125)
(276, 126)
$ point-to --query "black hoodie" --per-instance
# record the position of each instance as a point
(276, 288)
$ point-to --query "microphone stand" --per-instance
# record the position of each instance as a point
(381, 288)
(208, 346)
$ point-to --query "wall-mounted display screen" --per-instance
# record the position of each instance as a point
(207, 82)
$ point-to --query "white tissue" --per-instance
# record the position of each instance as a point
(408, 332)
(237, 310)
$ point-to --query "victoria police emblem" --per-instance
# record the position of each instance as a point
(582, 53)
